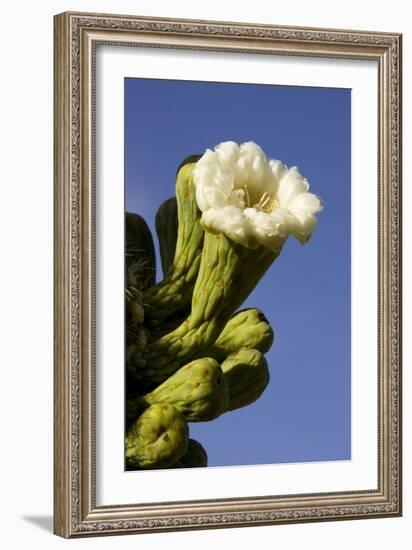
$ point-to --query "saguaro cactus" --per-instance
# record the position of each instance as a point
(192, 355)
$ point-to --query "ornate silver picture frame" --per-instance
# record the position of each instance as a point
(77, 509)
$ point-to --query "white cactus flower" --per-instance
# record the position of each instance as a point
(251, 199)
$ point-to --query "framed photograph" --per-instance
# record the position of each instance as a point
(227, 274)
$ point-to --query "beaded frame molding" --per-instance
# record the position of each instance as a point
(75, 38)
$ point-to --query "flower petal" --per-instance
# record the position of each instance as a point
(302, 230)
(213, 184)
(237, 198)
(230, 221)
(278, 168)
(291, 185)
(303, 208)
(228, 154)
(270, 230)
(252, 199)
(252, 169)
(306, 204)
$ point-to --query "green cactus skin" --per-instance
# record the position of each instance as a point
(157, 439)
(140, 272)
(174, 293)
(198, 390)
(140, 252)
(248, 328)
(168, 325)
(228, 273)
(195, 456)
(134, 407)
(166, 223)
(247, 374)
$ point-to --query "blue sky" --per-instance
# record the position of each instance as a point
(304, 413)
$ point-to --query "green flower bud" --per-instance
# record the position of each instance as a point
(158, 438)
(195, 456)
(247, 375)
(246, 329)
(198, 390)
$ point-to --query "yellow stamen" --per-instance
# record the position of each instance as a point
(247, 195)
(265, 203)
(264, 199)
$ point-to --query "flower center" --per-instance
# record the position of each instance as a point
(265, 202)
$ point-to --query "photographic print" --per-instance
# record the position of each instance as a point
(237, 274)
(227, 274)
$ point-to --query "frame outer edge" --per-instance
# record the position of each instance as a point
(61, 321)
(72, 484)
(398, 103)
(400, 229)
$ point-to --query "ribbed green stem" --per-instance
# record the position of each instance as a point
(228, 273)
(174, 293)
(166, 223)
